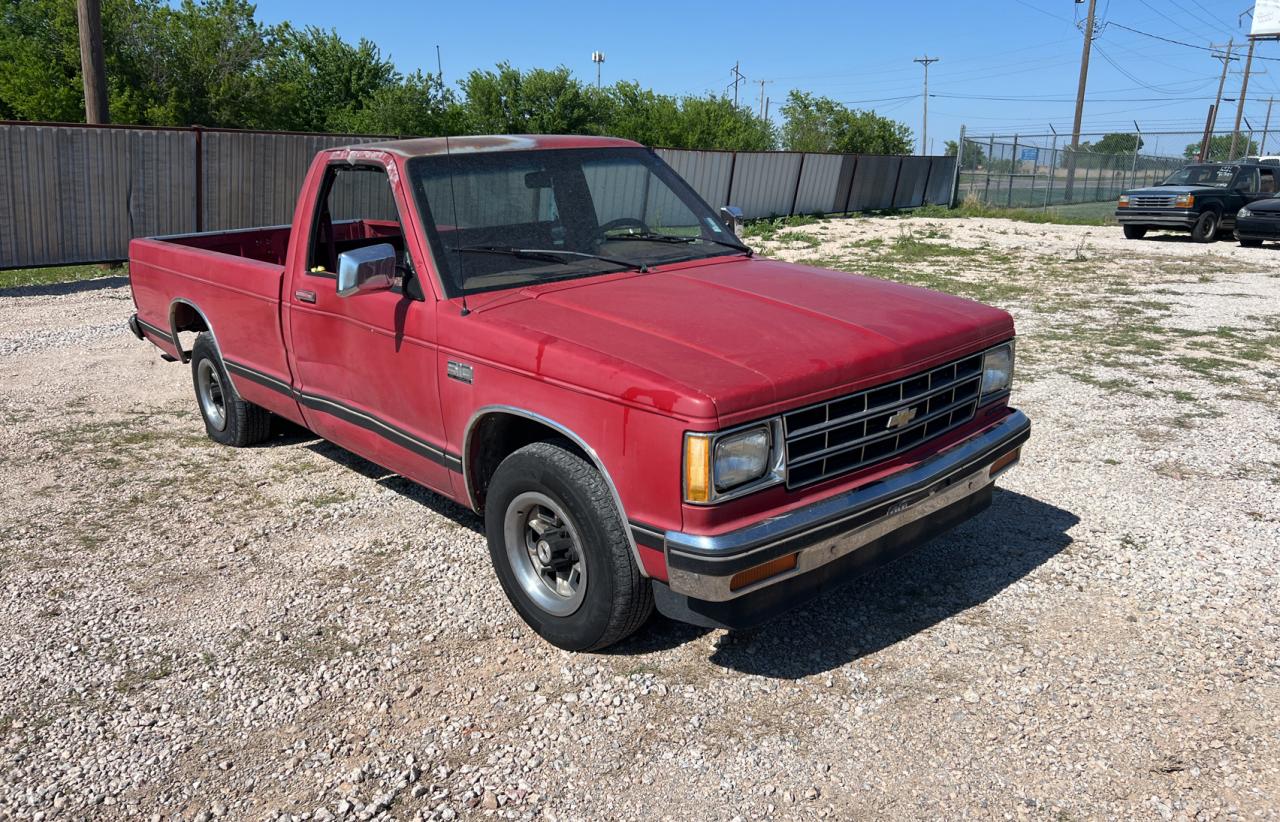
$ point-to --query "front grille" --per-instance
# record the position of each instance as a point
(853, 431)
(1151, 201)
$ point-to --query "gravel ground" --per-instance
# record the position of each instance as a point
(194, 632)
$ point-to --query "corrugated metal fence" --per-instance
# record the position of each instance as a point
(78, 194)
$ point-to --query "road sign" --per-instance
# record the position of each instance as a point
(1029, 154)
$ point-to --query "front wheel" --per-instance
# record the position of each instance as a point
(1135, 232)
(560, 550)
(1206, 228)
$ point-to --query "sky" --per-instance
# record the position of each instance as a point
(1005, 67)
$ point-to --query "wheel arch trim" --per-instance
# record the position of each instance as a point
(177, 344)
(492, 410)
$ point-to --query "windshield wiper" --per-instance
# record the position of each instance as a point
(655, 237)
(551, 255)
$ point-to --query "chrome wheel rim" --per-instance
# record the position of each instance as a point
(209, 391)
(545, 553)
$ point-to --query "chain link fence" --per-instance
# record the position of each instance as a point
(1042, 171)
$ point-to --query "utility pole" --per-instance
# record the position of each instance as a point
(1084, 77)
(738, 77)
(762, 111)
(924, 126)
(1217, 103)
(92, 61)
(766, 109)
(439, 67)
(1244, 89)
(1266, 126)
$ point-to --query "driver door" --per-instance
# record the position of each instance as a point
(365, 365)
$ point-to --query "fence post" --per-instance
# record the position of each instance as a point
(1053, 171)
(853, 175)
(1013, 167)
(991, 157)
(955, 174)
(199, 178)
(795, 195)
(1133, 173)
(733, 164)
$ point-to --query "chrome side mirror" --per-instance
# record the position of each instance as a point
(372, 268)
(732, 218)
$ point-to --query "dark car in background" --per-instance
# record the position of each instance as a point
(1257, 222)
(1202, 198)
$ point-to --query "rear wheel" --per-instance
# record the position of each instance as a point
(1206, 228)
(228, 419)
(560, 550)
(1135, 232)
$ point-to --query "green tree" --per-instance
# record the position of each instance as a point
(1115, 143)
(540, 101)
(716, 123)
(641, 114)
(816, 123)
(974, 156)
(416, 105)
(1220, 147)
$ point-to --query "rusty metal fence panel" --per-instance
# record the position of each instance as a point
(72, 194)
(913, 176)
(820, 191)
(764, 182)
(709, 172)
(939, 189)
(874, 182)
(252, 178)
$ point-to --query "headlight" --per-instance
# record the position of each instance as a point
(1244, 212)
(722, 466)
(1124, 201)
(997, 370)
(1184, 201)
(741, 458)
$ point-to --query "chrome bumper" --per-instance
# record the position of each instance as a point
(1183, 218)
(701, 567)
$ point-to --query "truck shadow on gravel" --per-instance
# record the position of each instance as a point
(944, 578)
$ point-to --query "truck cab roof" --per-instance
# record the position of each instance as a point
(428, 146)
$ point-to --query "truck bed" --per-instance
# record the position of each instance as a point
(226, 282)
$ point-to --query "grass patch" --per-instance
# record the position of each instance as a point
(974, 208)
(59, 274)
(768, 228)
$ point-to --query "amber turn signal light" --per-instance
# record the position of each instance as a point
(769, 569)
(1004, 462)
(697, 468)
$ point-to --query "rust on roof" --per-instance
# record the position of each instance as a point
(425, 146)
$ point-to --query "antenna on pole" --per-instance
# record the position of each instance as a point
(924, 128)
(597, 57)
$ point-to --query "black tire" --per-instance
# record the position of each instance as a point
(1247, 243)
(241, 423)
(1135, 232)
(617, 600)
(1206, 228)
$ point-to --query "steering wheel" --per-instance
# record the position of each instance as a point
(624, 222)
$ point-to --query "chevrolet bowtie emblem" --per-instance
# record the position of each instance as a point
(901, 418)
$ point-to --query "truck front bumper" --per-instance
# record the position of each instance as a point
(1165, 218)
(836, 539)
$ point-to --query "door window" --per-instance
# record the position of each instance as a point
(356, 209)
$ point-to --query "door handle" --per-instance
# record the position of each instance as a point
(305, 296)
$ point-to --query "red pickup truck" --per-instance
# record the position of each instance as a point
(559, 333)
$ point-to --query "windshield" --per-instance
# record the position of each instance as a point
(1213, 176)
(511, 218)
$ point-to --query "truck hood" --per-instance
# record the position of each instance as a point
(733, 337)
(1156, 191)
